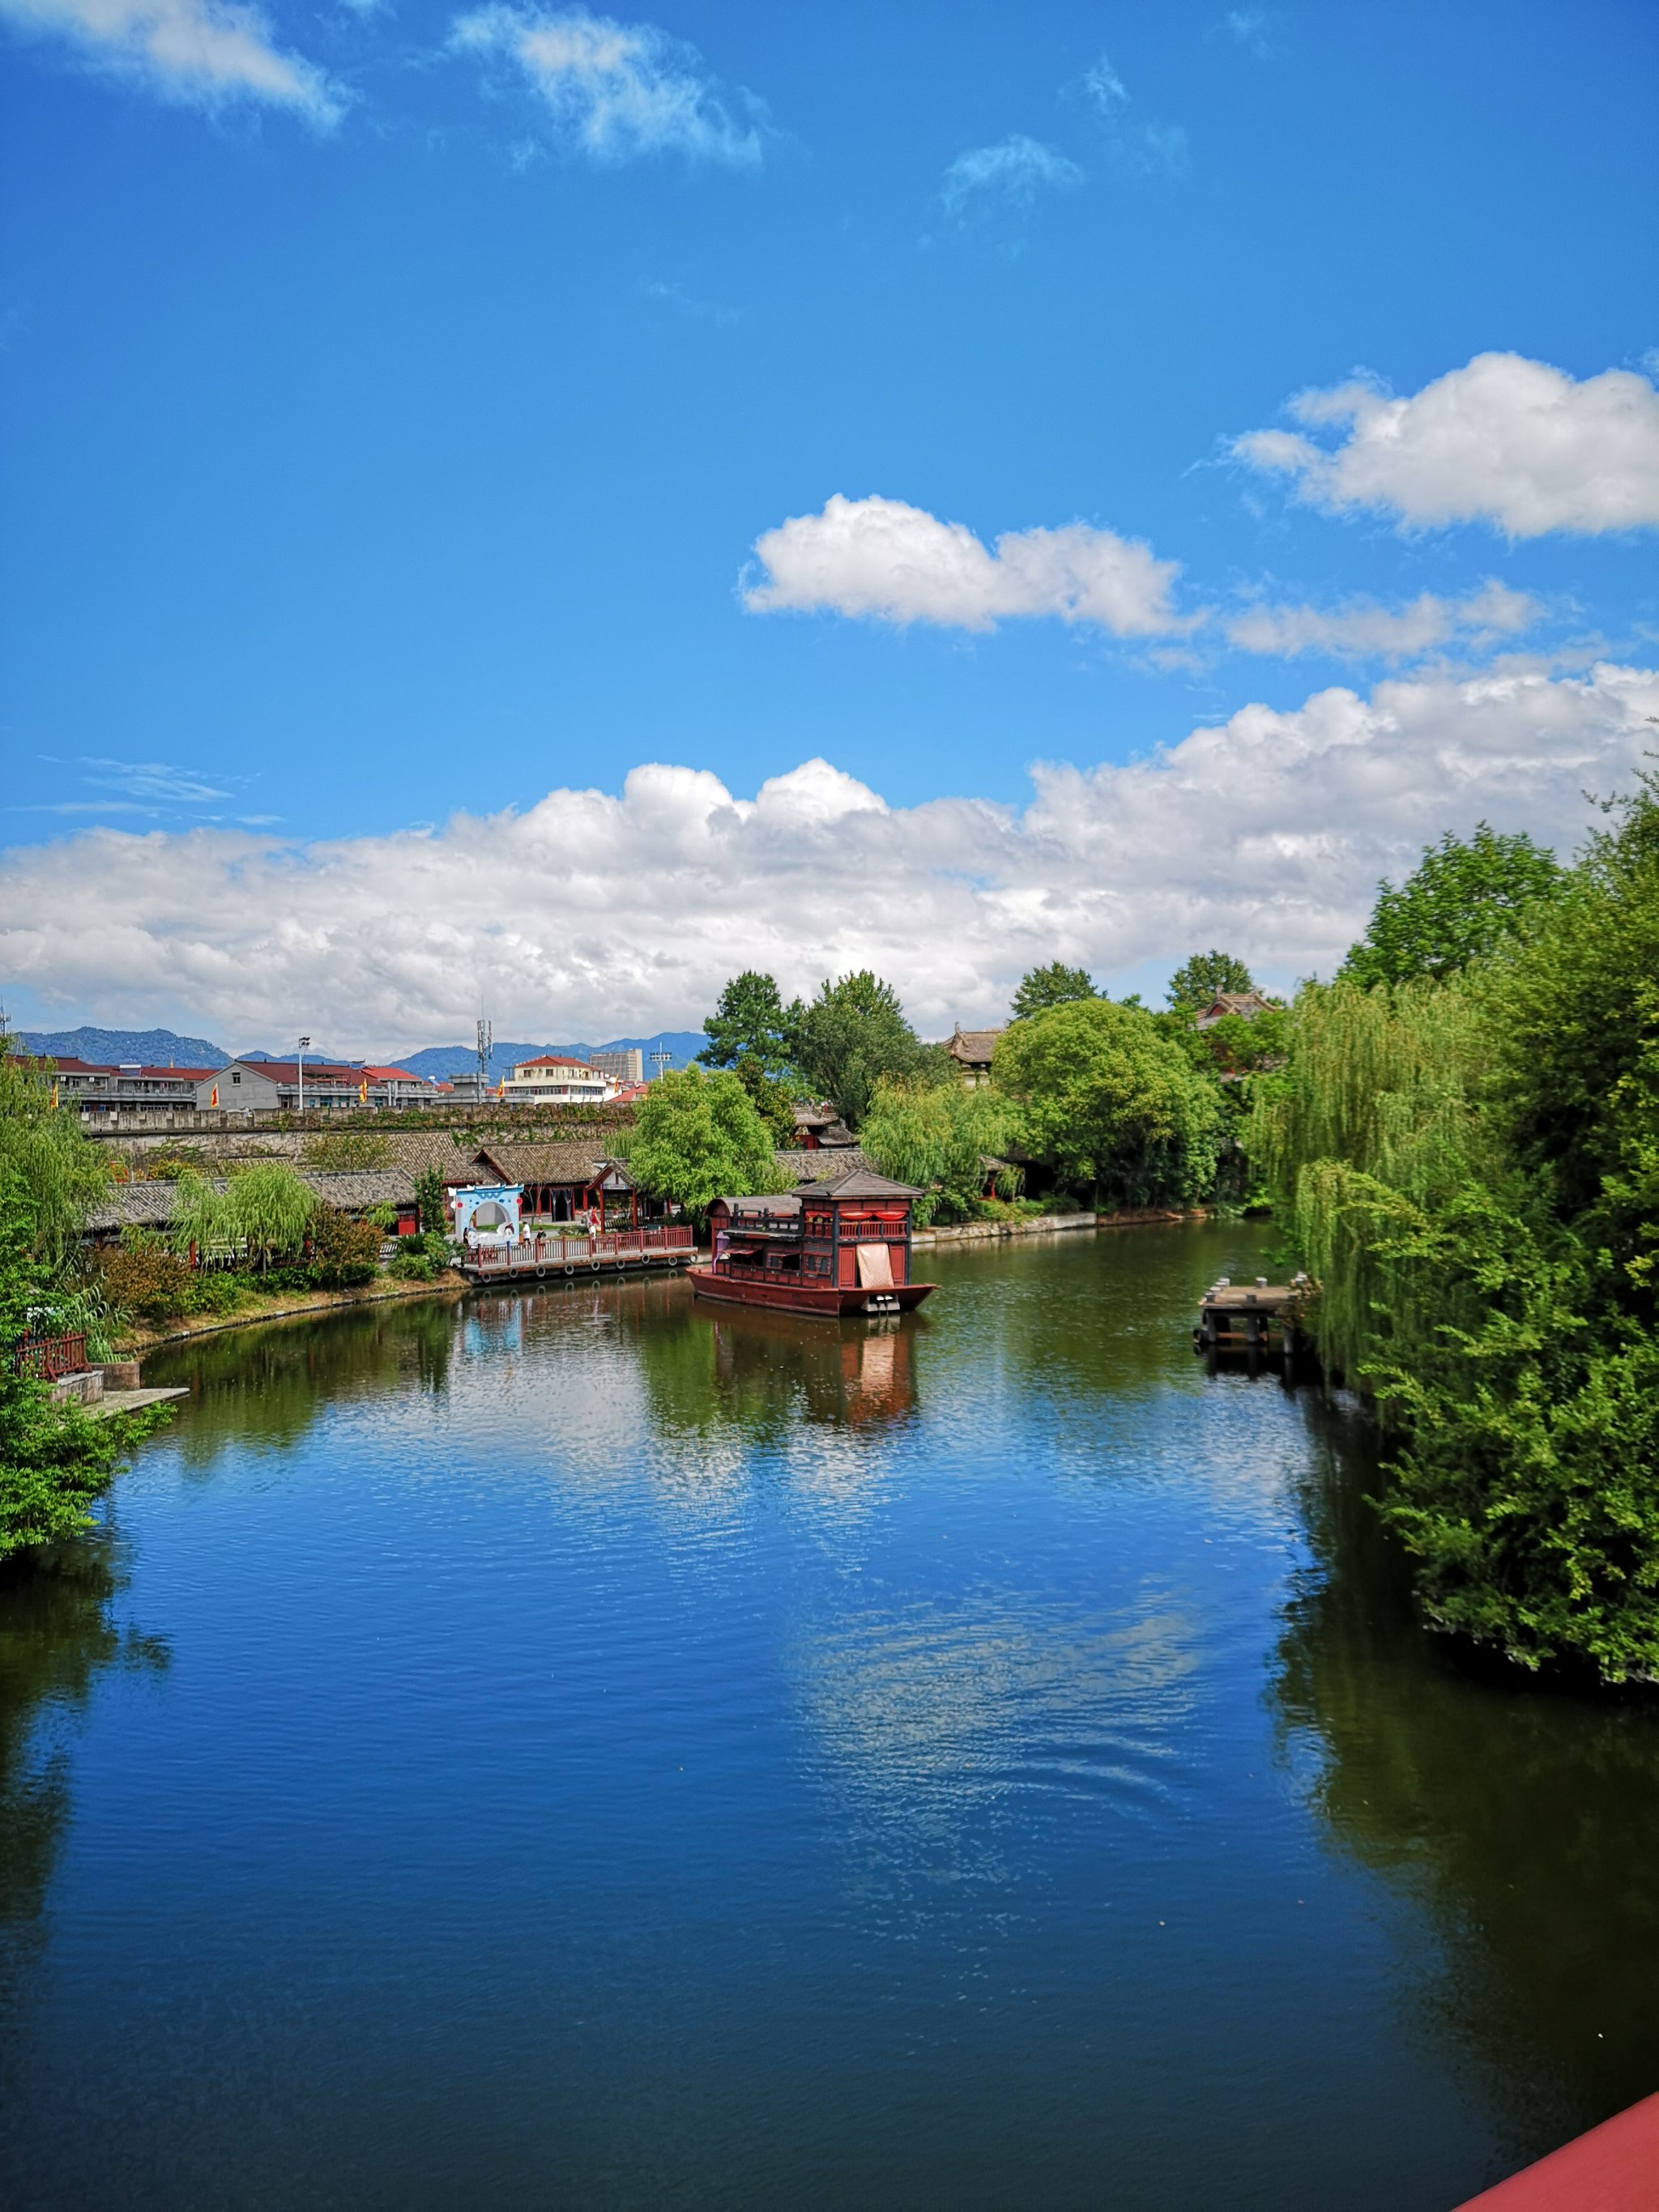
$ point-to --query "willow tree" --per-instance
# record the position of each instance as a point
(269, 1210)
(1373, 1123)
(204, 1217)
(942, 1136)
(60, 1172)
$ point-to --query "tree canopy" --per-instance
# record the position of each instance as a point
(1470, 1168)
(697, 1137)
(751, 1023)
(53, 1461)
(1464, 897)
(936, 1135)
(1109, 1100)
(851, 1036)
(1197, 983)
(1056, 985)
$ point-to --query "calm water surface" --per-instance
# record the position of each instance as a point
(581, 1750)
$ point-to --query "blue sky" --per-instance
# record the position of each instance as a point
(396, 396)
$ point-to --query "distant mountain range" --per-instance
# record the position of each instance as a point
(149, 1047)
(437, 1062)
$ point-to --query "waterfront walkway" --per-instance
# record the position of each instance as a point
(544, 1258)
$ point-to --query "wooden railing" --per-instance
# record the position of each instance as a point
(552, 1252)
(47, 1357)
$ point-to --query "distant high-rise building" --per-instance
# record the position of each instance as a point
(622, 1068)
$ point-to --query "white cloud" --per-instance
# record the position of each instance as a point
(154, 780)
(616, 90)
(1254, 28)
(1360, 629)
(1147, 148)
(1505, 440)
(590, 914)
(1006, 177)
(878, 556)
(205, 53)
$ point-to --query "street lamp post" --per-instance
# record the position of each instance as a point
(304, 1047)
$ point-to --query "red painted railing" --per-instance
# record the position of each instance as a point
(49, 1357)
(551, 1252)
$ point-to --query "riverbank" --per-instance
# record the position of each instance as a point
(285, 1305)
(970, 1232)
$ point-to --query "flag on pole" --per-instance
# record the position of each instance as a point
(214, 1100)
(54, 1094)
(362, 1092)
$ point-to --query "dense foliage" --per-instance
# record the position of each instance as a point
(849, 1037)
(53, 1460)
(1106, 1100)
(1470, 1167)
(1056, 985)
(944, 1138)
(1198, 982)
(1464, 899)
(697, 1137)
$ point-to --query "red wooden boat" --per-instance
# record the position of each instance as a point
(838, 1247)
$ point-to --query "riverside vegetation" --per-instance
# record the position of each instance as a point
(1458, 1136)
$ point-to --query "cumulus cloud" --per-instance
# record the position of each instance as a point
(1505, 440)
(596, 914)
(1005, 179)
(877, 556)
(616, 91)
(1360, 629)
(206, 53)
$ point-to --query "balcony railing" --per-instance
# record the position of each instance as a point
(47, 1357)
(552, 1252)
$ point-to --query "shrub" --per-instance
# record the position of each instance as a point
(342, 1251)
(144, 1281)
(413, 1267)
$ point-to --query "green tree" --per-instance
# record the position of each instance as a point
(1471, 1167)
(751, 1032)
(697, 1137)
(1465, 898)
(1197, 983)
(852, 1035)
(269, 1210)
(1056, 985)
(53, 1460)
(1108, 1100)
(937, 1136)
(60, 1168)
(429, 1197)
(750, 1026)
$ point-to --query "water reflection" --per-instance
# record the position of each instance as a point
(764, 1374)
(1526, 1821)
(268, 1385)
(57, 1636)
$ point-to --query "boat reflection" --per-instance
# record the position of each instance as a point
(854, 1374)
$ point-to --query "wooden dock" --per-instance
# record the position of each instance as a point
(1253, 1321)
(669, 1246)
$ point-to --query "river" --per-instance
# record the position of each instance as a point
(577, 1749)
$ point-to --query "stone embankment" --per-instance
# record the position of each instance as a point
(976, 1232)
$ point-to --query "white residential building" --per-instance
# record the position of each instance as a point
(555, 1079)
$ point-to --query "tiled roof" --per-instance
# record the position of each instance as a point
(812, 1167)
(976, 1045)
(566, 1159)
(153, 1205)
(859, 1182)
